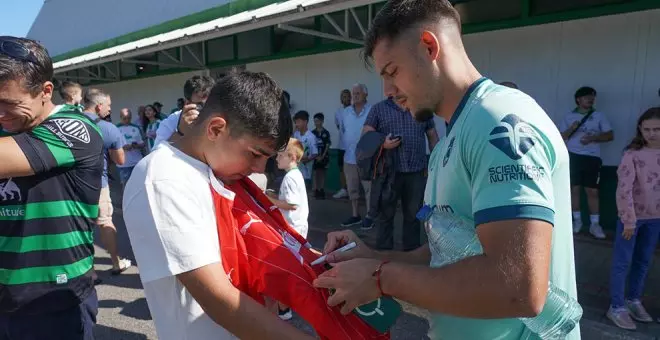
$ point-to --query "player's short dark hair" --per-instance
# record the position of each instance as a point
(252, 104)
(320, 116)
(301, 115)
(67, 88)
(397, 16)
(32, 72)
(198, 84)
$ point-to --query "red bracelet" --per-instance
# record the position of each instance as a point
(377, 275)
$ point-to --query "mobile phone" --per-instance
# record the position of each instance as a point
(396, 137)
(200, 107)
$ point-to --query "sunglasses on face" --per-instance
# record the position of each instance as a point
(15, 50)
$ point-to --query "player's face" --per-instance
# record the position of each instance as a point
(19, 109)
(410, 74)
(234, 157)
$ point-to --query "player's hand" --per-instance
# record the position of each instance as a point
(391, 143)
(188, 116)
(338, 239)
(628, 231)
(354, 283)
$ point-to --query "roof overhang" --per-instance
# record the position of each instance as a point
(270, 15)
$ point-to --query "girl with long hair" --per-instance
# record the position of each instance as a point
(638, 229)
(151, 123)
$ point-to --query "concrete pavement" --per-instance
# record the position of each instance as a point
(123, 312)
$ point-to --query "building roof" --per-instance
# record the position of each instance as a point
(137, 43)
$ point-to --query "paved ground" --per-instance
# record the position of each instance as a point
(124, 314)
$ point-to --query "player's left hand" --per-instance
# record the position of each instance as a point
(353, 282)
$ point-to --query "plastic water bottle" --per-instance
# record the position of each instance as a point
(453, 238)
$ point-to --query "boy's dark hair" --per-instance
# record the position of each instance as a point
(67, 88)
(397, 16)
(32, 71)
(302, 115)
(320, 116)
(198, 84)
(252, 104)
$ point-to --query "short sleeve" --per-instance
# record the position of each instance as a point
(167, 128)
(173, 234)
(509, 162)
(373, 117)
(604, 123)
(313, 150)
(289, 192)
(116, 137)
(61, 143)
(430, 124)
(563, 124)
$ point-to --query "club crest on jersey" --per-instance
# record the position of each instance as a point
(448, 153)
(73, 128)
(513, 136)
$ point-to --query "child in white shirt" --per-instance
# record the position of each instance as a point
(292, 199)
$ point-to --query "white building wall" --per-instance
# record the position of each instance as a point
(617, 55)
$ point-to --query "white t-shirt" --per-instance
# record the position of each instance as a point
(293, 191)
(308, 141)
(132, 134)
(167, 127)
(171, 223)
(596, 124)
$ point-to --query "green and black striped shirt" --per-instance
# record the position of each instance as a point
(47, 220)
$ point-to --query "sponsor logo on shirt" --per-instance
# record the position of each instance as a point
(514, 137)
(9, 192)
(73, 128)
(515, 172)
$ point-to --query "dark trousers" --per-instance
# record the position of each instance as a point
(631, 261)
(75, 323)
(409, 188)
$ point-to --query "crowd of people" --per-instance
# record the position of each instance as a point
(503, 175)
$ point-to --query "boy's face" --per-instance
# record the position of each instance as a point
(318, 123)
(300, 124)
(284, 160)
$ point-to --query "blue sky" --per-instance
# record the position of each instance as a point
(18, 15)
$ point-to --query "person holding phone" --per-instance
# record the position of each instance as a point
(195, 91)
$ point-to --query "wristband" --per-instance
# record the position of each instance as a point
(377, 275)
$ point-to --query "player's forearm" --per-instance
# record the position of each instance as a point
(247, 319)
(421, 255)
(476, 287)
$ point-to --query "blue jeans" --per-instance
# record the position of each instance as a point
(631, 260)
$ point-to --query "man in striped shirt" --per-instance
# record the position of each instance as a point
(50, 181)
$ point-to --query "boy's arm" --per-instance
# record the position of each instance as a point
(282, 204)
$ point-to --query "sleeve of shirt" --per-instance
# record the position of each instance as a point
(116, 137)
(313, 150)
(372, 117)
(61, 143)
(430, 124)
(166, 128)
(289, 192)
(624, 189)
(164, 219)
(509, 163)
(604, 123)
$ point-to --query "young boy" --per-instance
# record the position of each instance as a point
(292, 199)
(71, 93)
(308, 141)
(321, 162)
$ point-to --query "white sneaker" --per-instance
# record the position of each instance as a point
(577, 226)
(638, 312)
(340, 194)
(597, 231)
